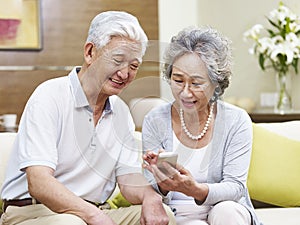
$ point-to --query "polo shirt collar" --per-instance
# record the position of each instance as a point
(79, 95)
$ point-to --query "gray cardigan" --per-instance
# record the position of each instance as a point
(230, 152)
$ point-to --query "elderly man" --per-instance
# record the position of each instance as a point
(75, 140)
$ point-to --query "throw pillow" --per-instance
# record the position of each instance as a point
(118, 201)
(274, 169)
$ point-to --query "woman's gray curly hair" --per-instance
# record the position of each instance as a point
(212, 47)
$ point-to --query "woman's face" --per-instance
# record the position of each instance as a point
(190, 83)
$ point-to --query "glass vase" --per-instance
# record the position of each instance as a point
(283, 99)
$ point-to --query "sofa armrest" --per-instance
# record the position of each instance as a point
(279, 216)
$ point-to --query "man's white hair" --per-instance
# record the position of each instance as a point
(116, 23)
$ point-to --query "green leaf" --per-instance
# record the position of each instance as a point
(261, 61)
(287, 26)
(274, 24)
(295, 65)
(271, 33)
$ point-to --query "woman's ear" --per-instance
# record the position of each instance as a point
(89, 52)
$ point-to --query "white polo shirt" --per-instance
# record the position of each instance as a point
(57, 130)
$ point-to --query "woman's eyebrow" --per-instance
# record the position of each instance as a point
(197, 76)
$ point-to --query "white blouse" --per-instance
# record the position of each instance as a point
(196, 161)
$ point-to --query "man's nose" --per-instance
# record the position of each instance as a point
(124, 72)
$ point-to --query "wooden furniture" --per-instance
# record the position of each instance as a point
(268, 116)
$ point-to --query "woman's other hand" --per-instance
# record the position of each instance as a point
(150, 158)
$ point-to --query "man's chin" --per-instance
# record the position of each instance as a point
(114, 91)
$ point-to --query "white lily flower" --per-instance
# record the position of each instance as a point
(277, 39)
(254, 31)
(287, 13)
(295, 27)
(266, 44)
(251, 50)
(293, 40)
(293, 17)
(281, 41)
(284, 49)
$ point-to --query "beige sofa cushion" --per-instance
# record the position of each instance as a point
(6, 143)
(279, 216)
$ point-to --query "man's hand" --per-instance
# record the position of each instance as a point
(101, 219)
(136, 189)
(153, 211)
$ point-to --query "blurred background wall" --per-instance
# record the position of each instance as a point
(64, 26)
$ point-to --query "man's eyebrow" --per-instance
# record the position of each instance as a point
(123, 54)
(177, 74)
(118, 54)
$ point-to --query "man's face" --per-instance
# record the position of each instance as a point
(116, 65)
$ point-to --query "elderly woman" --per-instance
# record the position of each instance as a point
(213, 139)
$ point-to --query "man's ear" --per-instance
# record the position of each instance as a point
(89, 52)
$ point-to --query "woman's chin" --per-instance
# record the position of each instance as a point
(188, 105)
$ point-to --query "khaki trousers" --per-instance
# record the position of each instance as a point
(41, 215)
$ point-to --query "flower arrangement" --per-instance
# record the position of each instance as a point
(278, 48)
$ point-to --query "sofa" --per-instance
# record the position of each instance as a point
(274, 172)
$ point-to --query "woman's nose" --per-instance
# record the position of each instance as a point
(186, 89)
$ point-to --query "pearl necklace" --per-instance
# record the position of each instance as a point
(197, 137)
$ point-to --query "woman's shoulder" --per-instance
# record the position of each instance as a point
(162, 110)
(232, 112)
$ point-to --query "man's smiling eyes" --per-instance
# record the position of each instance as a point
(132, 65)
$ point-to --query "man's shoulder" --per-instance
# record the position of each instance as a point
(118, 105)
(116, 101)
(52, 84)
(51, 88)
(56, 82)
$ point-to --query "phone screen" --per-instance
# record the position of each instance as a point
(169, 157)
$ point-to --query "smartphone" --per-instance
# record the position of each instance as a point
(169, 157)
